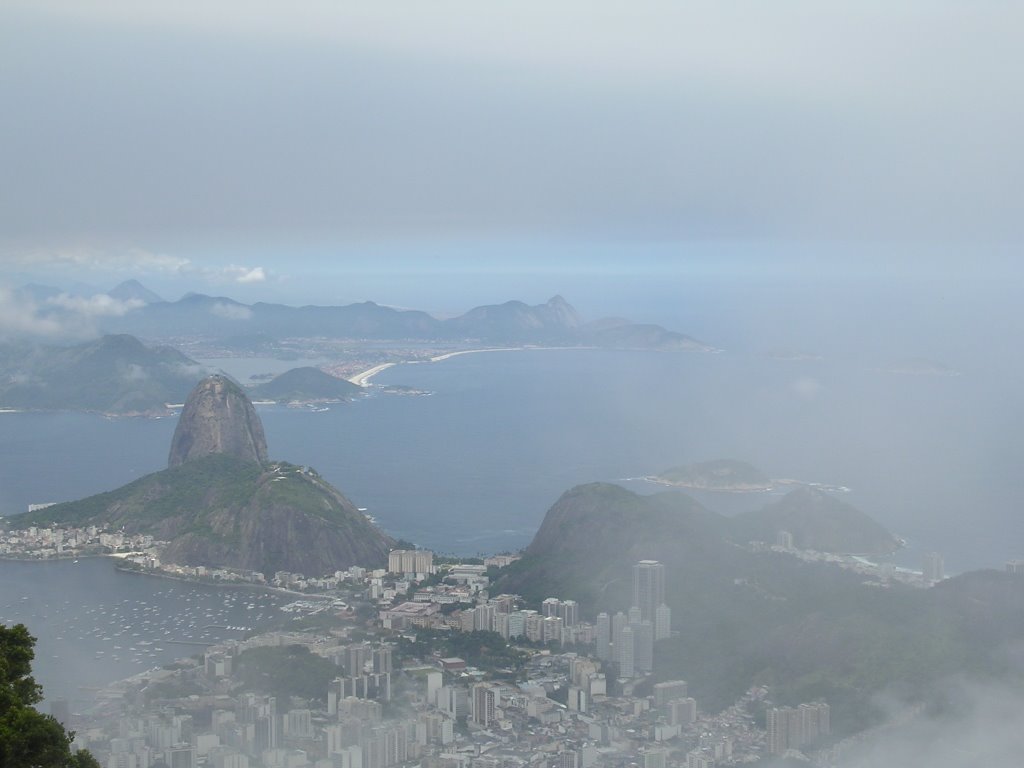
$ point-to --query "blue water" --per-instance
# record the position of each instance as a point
(94, 624)
(473, 467)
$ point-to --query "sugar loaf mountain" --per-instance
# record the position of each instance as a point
(222, 502)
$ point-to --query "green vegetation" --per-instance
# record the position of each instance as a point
(217, 480)
(488, 651)
(28, 737)
(283, 672)
(115, 374)
(306, 385)
(807, 630)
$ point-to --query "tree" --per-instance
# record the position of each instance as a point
(28, 738)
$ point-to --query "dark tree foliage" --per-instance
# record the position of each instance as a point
(28, 738)
(284, 672)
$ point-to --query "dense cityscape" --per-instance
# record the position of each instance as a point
(532, 688)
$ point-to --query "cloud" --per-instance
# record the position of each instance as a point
(96, 260)
(231, 311)
(979, 725)
(99, 305)
(121, 262)
(135, 372)
(807, 387)
(255, 275)
(20, 317)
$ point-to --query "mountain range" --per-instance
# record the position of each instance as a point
(222, 318)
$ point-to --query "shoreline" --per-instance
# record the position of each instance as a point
(363, 379)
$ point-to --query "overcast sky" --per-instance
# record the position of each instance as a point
(250, 143)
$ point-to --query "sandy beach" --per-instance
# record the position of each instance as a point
(363, 379)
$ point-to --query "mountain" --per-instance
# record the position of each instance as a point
(306, 384)
(817, 521)
(133, 290)
(218, 417)
(115, 374)
(514, 322)
(222, 503)
(717, 475)
(742, 618)
(641, 336)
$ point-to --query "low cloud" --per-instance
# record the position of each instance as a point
(979, 726)
(135, 372)
(99, 305)
(20, 317)
(231, 311)
(133, 261)
(255, 275)
(807, 387)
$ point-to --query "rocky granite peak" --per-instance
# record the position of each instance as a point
(218, 417)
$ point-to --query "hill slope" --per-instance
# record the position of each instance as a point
(219, 510)
(114, 374)
(817, 521)
(808, 630)
(306, 384)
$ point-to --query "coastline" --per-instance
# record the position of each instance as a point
(363, 379)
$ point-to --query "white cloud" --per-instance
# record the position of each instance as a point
(134, 261)
(231, 311)
(255, 275)
(100, 305)
(98, 260)
(807, 387)
(20, 317)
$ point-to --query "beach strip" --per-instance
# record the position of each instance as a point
(363, 379)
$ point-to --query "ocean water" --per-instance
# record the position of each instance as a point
(94, 624)
(473, 467)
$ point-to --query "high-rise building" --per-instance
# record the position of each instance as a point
(624, 652)
(643, 646)
(792, 728)
(485, 704)
(603, 628)
(655, 757)
(648, 587)
(569, 613)
(550, 606)
(1015, 567)
(934, 568)
(662, 622)
(669, 690)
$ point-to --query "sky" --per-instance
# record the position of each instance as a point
(318, 151)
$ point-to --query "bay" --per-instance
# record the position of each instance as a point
(473, 467)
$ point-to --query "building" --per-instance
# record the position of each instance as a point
(934, 568)
(417, 563)
(486, 698)
(648, 587)
(662, 622)
(793, 728)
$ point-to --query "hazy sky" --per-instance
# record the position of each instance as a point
(256, 145)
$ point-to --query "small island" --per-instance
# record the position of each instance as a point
(717, 475)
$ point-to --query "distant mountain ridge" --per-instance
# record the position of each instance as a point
(115, 374)
(514, 322)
